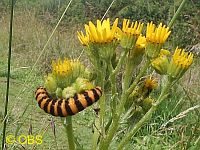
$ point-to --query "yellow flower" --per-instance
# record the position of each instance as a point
(61, 67)
(101, 33)
(129, 33)
(150, 83)
(180, 62)
(147, 85)
(136, 54)
(135, 28)
(164, 52)
(157, 35)
(182, 58)
(141, 42)
(84, 39)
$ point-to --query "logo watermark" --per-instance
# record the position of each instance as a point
(24, 139)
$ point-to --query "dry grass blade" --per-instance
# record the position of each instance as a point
(44, 48)
(30, 130)
(180, 116)
(107, 10)
(53, 126)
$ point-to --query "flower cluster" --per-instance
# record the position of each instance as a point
(130, 33)
(67, 78)
(129, 36)
(61, 68)
(157, 35)
(176, 67)
(180, 63)
(103, 38)
(141, 94)
(102, 33)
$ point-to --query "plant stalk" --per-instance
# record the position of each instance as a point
(102, 105)
(8, 73)
(119, 64)
(112, 79)
(127, 76)
(99, 129)
(146, 117)
(177, 13)
(96, 135)
(70, 134)
(114, 126)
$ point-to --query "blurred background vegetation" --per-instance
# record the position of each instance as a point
(186, 30)
(34, 20)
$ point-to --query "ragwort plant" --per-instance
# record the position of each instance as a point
(133, 94)
(71, 87)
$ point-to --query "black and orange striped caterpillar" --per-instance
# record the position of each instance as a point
(69, 106)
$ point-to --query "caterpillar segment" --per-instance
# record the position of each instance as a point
(69, 106)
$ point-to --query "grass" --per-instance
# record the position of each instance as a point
(28, 42)
(30, 35)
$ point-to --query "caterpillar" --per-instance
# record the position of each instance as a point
(66, 107)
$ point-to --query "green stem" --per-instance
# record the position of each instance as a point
(102, 100)
(114, 126)
(113, 100)
(146, 117)
(112, 79)
(177, 13)
(95, 134)
(137, 79)
(8, 74)
(102, 113)
(99, 120)
(119, 64)
(70, 134)
(127, 78)
(99, 124)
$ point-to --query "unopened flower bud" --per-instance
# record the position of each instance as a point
(68, 92)
(59, 92)
(161, 63)
(82, 84)
(147, 103)
(50, 83)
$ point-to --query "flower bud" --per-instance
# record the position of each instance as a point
(50, 83)
(82, 84)
(59, 92)
(78, 69)
(147, 103)
(68, 92)
(87, 74)
(161, 63)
